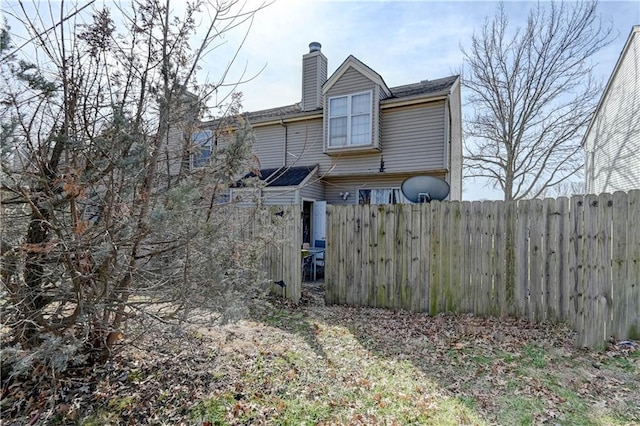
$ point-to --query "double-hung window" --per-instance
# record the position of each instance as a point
(350, 120)
(201, 142)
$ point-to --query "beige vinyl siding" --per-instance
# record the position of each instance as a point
(351, 81)
(314, 190)
(269, 145)
(280, 197)
(335, 186)
(310, 83)
(613, 143)
(378, 111)
(455, 140)
(304, 144)
(247, 197)
(172, 152)
(413, 138)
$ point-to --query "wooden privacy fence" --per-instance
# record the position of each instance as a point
(566, 260)
(279, 231)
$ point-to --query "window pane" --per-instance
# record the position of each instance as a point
(338, 107)
(201, 156)
(338, 131)
(361, 104)
(202, 148)
(364, 196)
(360, 130)
(202, 138)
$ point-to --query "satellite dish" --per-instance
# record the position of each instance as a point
(422, 189)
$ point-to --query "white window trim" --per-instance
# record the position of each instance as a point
(199, 145)
(349, 116)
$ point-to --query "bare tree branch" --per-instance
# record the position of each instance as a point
(533, 95)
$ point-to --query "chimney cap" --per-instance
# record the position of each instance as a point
(314, 46)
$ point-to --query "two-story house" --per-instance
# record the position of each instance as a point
(612, 140)
(353, 139)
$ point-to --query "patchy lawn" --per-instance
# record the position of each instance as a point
(314, 364)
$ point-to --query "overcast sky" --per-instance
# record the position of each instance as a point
(404, 41)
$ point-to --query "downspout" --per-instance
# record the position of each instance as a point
(286, 135)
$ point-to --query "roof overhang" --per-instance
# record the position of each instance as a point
(413, 100)
(285, 119)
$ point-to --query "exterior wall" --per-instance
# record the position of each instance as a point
(269, 145)
(612, 143)
(172, 151)
(248, 197)
(350, 82)
(304, 144)
(455, 143)
(275, 197)
(413, 138)
(313, 190)
(335, 186)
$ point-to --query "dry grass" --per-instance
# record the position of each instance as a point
(316, 364)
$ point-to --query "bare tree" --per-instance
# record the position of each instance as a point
(100, 234)
(533, 96)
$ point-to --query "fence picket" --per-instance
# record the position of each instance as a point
(416, 281)
(466, 268)
(425, 257)
(455, 258)
(632, 326)
(573, 260)
(552, 259)
(522, 267)
(434, 250)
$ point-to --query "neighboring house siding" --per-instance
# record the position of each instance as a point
(414, 138)
(612, 143)
(269, 146)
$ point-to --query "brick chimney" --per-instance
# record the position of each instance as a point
(314, 74)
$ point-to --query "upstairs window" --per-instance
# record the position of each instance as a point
(350, 120)
(202, 143)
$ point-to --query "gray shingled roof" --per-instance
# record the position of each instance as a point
(424, 87)
(281, 176)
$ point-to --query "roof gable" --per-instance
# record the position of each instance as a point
(356, 64)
